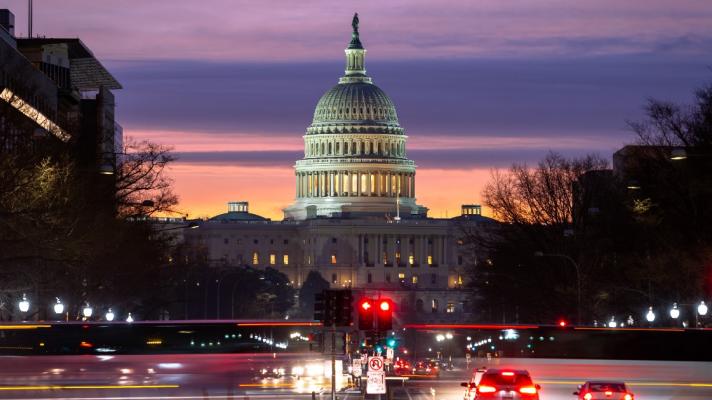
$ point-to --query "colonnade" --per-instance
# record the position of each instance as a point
(355, 183)
(336, 147)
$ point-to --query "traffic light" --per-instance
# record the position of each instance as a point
(365, 314)
(384, 310)
(333, 307)
(392, 343)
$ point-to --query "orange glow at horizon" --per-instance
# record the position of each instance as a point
(204, 190)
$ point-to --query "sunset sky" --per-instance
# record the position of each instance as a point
(478, 84)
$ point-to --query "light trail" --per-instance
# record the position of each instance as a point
(80, 387)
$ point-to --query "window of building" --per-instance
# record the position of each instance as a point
(272, 259)
(398, 258)
(308, 260)
(419, 305)
(459, 260)
(414, 279)
(433, 278)
(401, 276)
(334, 278)
(333, 240)
(255, 258)
(369, 278)
(388, 277)
(333, 258)
(385, 258)
(430, 260)
(450, 308)
(286, 241)
(271, 241)
(226, 240)
(411, 259)
(434, 305)
(285, 259)
(459, 280)
(255, 241)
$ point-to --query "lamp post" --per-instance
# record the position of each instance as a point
(58, 307)
(674, 311)
(650, 316)
(24, 306)
(129, 319)
(578, 280)
(87, 311)
(109, 315)
(612, 323)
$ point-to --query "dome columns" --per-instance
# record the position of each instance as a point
(349, 183)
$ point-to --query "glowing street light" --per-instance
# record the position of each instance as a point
(109, 315)
(448, 335)
(702, 308)
(87, 311)
(129, 319)
(24, 304)
(650, 316)
(612, 323)
(440, 337)
(674, 311)
(58, 307)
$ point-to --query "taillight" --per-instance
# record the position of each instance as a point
(628, 396)
(587, 396)
(507, 373)
(609, 393)
(527, 390)
(486, 389)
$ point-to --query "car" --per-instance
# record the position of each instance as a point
(504, 384)
(402, 367)
(426, 368)
(604, 390)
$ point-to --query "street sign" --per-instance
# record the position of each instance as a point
(376, 377)
(375, 364)
(356, 367)
(389, 353)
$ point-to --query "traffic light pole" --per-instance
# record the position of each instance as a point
(333, 362)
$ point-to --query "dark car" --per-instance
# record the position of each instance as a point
(603, 390)
(504, 384)
(426, 368)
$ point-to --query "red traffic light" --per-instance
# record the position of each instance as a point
(385, 305)
(562, 323)
(365, 305)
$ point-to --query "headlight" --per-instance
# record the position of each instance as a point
(298, 370)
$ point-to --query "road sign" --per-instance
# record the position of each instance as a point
(356, 367)
(375, 364)
(376, 382)
(389, 353)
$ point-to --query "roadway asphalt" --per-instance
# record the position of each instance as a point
(175, 377)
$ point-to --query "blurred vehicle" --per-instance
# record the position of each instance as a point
(402, 367)
(270, 373)
(603, 390)
(426, 368)
(502, 384)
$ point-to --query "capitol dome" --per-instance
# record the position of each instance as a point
(355, 161)
(360, 103)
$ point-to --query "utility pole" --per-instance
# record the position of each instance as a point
(333, 361)
(29, 19)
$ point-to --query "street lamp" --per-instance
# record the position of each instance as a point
(24, 304)
(650, 316)
(87, 311)
(448, 335)
(612, 323)
(440, 337)
(674, 311)
(702, 308)
(58, 307)
(109, 315)
(678, 154)
(129, 319)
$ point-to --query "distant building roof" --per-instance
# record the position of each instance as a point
(87, 73)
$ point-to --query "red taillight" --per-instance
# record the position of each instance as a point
(507, 373)
(628, 396)
(527, 390)
(486, 389)
(385, 305)
(608, 393)
(587, 396)
(86, 345)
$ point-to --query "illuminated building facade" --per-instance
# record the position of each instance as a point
(355, 219)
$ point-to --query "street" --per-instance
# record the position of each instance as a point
(227, 376)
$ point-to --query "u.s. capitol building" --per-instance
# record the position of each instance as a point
(355, 218)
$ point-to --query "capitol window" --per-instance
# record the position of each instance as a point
(401, 276)
(285, 259)
(272, 259)
(414, 279)
(450, 308)
(430, 260)
(411, 259)
(255, 258)
(333, 258)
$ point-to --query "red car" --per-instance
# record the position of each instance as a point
(502, 384)
(402, 367)
(603, 390)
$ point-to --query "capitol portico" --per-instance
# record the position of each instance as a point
(355, 219)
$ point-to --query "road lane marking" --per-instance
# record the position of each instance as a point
(267, 385)
(77, 387)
